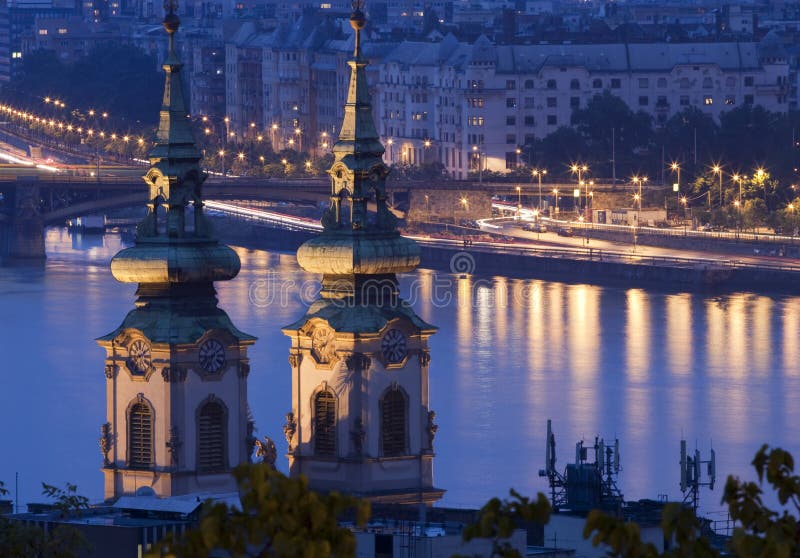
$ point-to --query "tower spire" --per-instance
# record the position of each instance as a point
(359, 247)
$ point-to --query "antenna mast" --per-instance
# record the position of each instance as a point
(690, 475)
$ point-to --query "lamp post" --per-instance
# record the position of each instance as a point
(425, 145)
(760, 177)
(390, 143)
(539, 173)
(274, 137)
(791, 208)
(519, 202)
(480, 163)
(638, 180)
(718, 170)
(555, 193)
(579, 169)
(222, 158)
(519, 158)
(684, 201)
(738, 206)
(676, 168)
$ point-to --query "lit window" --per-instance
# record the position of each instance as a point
(43, 31)
(325, 6)
(708, 100)
(16, 55)
(62, 31)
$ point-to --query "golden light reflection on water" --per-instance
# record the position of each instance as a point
(679, 333)
(556, 306)
(760, 343)
(637, 334)
(791, 335)
(735, 335)
(716, 338)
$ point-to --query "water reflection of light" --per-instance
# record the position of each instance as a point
(422, 294)
(716, 338)
(583, 315)
(679, 333)
(761, 345)
(637, 334)
(501, 309)
(736, 314)
(791, 325)
(554, 348)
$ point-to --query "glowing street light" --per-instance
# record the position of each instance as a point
(716, 169)
(539, 173)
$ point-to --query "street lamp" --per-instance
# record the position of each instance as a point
(555, 193)
(539, 173)
(684, 202)
(519, 202)
(480, 163)
(578, 169)
(390, 143)
(760, 175)
(221, 154)
(718, 170)
(738, 206)
(425, 144)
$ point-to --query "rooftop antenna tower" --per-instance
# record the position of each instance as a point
(584, 485)
(690, 474)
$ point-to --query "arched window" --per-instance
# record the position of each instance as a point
(393, 423)
(140, 436)
(211, 427)
(325, 424)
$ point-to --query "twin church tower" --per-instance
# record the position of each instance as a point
(177, 368)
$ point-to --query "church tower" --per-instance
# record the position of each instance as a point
(176, 368)
(360, 420)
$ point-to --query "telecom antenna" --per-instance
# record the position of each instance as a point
(691, 474)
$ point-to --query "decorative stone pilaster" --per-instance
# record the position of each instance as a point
(244, 369)
(295, 359)
(424, 357)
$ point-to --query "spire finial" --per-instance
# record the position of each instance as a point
(171, 21)
(357, 22)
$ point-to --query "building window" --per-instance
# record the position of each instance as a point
(476, 83)
(529, 139)
(708, 100)
(211, 427)
(511, 160)
(140, 436)
(552, 102)
(574, 84)
(511, 84)
(528, 84)
(62, 31)
(16, 54)
(552, 120)
(644, 101)
(597, 83)
(511, 120)
(530, 121)
(707, 83)
(551, 84)
(644, 83)
(684, 100)
(748, 81)
(475, 120)
(475, 102)
(511, 102)
(43, 31)
(393, 423)
(574, 102)
(325, 424)
(730, 100)
(511, 139)
(662, 83)
(616, 83)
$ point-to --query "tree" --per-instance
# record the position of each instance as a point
(631, 132)
(278, 517)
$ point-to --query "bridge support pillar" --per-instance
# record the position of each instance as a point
(24, 239)
(24, 229)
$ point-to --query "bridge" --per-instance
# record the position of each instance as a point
(32, 198)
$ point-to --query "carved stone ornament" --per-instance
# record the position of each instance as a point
(289, 428)
(173, 374)
(106, 441)
(424, 358)
(244, 369)
(111, 371)
(173, 445)
(358, 434)
(431, 428)
(267, 451)
(358, 362)
(251, 439)
(295, 359)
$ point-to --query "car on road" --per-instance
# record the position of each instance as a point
(564, 231)
(535, 227)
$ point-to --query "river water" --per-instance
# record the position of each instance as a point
(642, 365)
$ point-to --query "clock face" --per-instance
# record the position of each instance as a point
(139, 356)
(323, 344)
(394, 346)
(212, 356)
